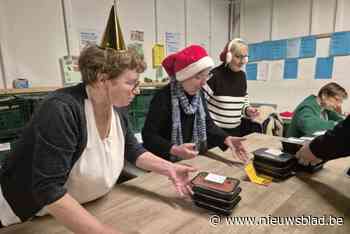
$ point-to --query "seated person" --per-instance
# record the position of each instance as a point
(317, 113)
(178, 125)
(332, 145)
(74, 148)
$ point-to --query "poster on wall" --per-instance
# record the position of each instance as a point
(324, 68)
(341, 69)
(293, 48)
(290, 69)
(172, 42)
(340, 43)
(158, 55)
(306, 68)
(251, 71)
(255, 52)
(308, 47)
(323, 47)
(70, 70)
(136, 35)
(263, 71)
(278, 49)
(88, 36)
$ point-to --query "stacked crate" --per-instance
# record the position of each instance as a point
(14, 114)
(138, 109)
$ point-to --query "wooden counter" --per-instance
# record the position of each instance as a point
(49, 89)
(148, 204)
(27, 90)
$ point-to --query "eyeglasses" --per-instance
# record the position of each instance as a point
(203, 76)
(136, 87)
(241, 57)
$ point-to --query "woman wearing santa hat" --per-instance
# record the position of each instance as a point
(226, 91)
(178, 125)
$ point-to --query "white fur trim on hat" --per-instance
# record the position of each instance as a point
(194, 68)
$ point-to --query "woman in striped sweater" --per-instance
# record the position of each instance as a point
(226, 90)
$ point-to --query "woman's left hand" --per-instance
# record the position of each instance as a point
(235, 144)
(179, 175)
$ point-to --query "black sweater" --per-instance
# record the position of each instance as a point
(334, 143)
(35, 173)
(156, 133)
(227, 97)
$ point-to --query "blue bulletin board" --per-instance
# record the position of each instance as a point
(307, 47)
(290, 69)
(252, 71)
(340, 43)
(324, 68)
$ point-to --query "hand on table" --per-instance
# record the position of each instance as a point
(184, 151)
(306, 157)
(179, 176)
(237, 148)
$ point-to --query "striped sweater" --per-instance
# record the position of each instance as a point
(227, 97)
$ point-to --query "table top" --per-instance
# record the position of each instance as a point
(149, 204)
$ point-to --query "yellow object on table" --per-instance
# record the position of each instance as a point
(254, 177)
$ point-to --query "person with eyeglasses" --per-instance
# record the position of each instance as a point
(73, 149)
(318, 113)
(226, 91)
(178, 125)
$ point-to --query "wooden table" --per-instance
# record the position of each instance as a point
(148, 204)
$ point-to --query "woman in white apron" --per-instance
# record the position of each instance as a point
(74, 148)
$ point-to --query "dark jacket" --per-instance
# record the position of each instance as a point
(334, 143)
(39, 165)
(156, 133)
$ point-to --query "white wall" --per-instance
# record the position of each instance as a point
(87, 15)
(1, 42)
(198, 23)
(323, 16)
(32, 33)
(219, 28)
(32, 41)
(171, 18)
(143, 10)
(292, 19)
(255, 20)
(343, 17)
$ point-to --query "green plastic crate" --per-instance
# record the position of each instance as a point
(14, 114)
(4, 153)
(33, 100)
(142, 101)
(137, 120)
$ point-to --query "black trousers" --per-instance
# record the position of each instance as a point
(246, 127)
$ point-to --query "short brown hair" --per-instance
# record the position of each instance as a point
(94, 60)
(331, 90)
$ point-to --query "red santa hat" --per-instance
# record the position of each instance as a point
(187, 62)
